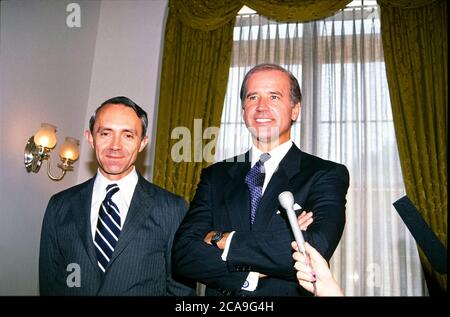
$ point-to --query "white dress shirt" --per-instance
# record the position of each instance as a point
(122, 198)
(270, 166)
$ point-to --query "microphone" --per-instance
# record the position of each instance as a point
(433, 248)
(286, 200)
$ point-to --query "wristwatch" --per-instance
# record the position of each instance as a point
(216, 238)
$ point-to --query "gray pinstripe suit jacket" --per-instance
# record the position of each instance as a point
(141, 262)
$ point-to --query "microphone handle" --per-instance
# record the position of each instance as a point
(299, 239)
(296, 230)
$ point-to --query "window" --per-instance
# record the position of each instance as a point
(346, 117)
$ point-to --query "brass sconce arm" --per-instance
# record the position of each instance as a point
(35, 153)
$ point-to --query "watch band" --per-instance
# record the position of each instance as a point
(216, 238)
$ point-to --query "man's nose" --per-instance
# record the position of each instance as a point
(116, 142)
(263, 104)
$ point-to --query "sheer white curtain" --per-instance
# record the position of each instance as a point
(346, 117)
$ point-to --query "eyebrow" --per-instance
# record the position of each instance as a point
(270, 93)
(103, 129)
(123, 130)
(129, 130)
(275, 93)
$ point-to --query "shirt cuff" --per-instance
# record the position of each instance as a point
(227, 246)
(251, 283)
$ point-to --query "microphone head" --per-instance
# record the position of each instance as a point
(286, 200)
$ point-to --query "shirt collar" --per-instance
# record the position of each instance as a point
(126, 184)
(276, 154)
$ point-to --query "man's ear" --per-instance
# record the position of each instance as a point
(89, 138)
(144, 142)
(295, 111)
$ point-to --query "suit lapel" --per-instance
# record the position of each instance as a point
(142, 199)
(82, 203)
(237, 194)
(280, 181)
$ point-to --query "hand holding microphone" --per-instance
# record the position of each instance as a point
(315, 269)
(286, 200)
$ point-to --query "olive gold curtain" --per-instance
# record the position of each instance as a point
(414, 35)
(197, 50)
(347, 118)
(196, 59)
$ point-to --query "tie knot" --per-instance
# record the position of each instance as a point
(111, 189)
(264, 157)
(255, 176)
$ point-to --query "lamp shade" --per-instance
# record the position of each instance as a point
(46, 136)
(69, 149)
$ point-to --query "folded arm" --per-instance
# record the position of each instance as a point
(261, 251)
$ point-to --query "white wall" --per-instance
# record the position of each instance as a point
(127, 62)
(52, 73)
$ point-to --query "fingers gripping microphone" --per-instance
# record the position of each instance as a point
(286, 200)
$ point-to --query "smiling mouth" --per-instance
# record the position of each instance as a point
(263, 120)
(114, 157)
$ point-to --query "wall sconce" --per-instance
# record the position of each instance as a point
(39, 146)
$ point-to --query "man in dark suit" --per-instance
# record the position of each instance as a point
(113, 234)
(235, 238)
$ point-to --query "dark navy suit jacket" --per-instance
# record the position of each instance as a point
(222, 203)
(141, 261)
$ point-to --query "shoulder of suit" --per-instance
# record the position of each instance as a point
(318, 161)
(158, 191)
(171, 206)
(72, 191)
(228, 163)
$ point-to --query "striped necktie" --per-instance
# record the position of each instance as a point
(255, 181)
(108, 228)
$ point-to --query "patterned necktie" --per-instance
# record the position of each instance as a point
(108, 228)
(255, 181)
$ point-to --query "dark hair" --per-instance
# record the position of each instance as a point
(127, 102)
(295, 92)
